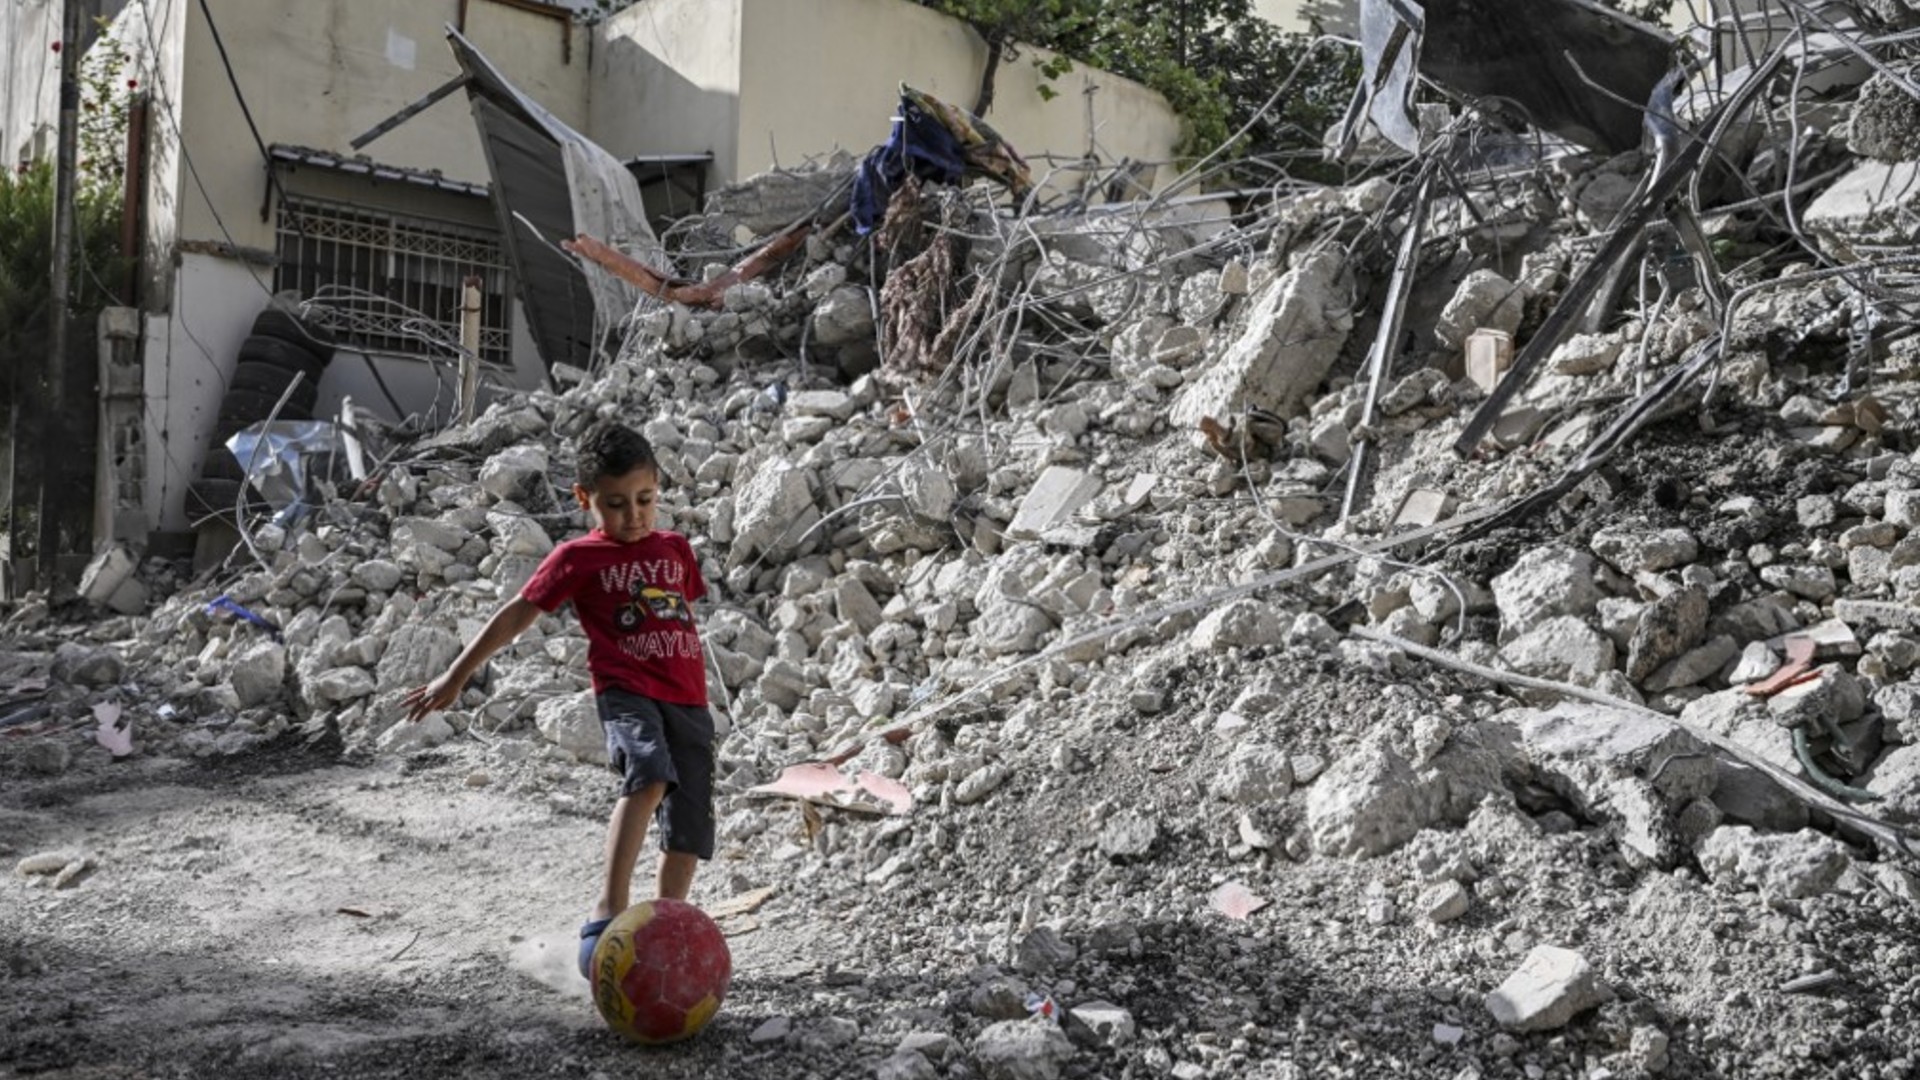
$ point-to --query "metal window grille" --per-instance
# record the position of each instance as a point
(418, 264)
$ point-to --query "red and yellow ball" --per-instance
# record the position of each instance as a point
(660, 971)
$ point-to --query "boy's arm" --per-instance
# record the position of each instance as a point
(508, 623)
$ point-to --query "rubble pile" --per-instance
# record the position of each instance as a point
(1081, 579)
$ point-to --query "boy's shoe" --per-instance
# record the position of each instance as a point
(590, 932)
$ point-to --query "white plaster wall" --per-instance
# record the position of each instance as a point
(189, 357)
(666, 80)
(795, 104)
(29, 76)
(766, 82)
(1298, 16)
(319, 72)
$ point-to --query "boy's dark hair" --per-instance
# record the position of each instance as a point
(610, 448)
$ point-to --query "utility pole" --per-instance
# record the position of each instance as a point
(72, 39)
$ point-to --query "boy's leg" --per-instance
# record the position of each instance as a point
(637, 748)
(626, 830)
(686, 815)
(676, 873)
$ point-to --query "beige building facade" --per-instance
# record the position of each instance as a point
(768, 83)
(230, 219)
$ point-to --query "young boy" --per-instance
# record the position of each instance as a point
(632, 587)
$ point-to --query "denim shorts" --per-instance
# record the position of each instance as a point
(651, 742)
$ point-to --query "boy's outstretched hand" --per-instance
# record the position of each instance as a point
(508, 623)
(433, 697)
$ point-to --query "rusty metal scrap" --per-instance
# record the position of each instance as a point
(695, 294)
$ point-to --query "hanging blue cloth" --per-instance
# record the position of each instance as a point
(919, 143)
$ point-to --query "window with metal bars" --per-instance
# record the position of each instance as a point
(388, 282)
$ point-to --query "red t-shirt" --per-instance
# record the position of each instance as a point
(635, 603)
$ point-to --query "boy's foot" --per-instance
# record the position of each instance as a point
(590, 932)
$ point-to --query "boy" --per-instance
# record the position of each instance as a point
(631, 586)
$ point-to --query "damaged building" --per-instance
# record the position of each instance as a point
(1462, 622)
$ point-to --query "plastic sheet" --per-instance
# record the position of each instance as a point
(275, 458)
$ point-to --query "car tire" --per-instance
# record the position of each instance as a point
(283, 325)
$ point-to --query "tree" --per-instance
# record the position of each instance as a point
(1215, 62)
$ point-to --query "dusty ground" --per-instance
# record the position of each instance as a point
(210, 939)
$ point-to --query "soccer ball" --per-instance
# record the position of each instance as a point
(660, 971)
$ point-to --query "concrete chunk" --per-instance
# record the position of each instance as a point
(1550, 988)
(1053, 500)
(1294, 334)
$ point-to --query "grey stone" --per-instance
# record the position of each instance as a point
(1629, 770)
(1744, 719)
(1253, 773)
(832, 404)
(1022, 1050)
(843, 318)
(1814, 583)
(998, 999)
(1369, 803)
(1632, 549)
(1792, 865)
(572, 722)
(338, 686)
(1586, 354)
(258, 673)
(928, 489)
(430, 730)
(1010, 627)
(86, 665)
(1896, 779)
(829, 1033)
(855, 606)
(980, 783)
(1870, 207)
(933, 1045)
(1563, 648)
(1895, 616)
(1052, 501)
(1756, 662)
(1100, 1023)
(1667, 628)
(1832, 695)
(46, 757)
(1748, 796)
(1294, 332)
(1551, 987)
(516, 534)
(1543, 583)
(1243, 623)
(771, 1030)
(771, 510)
(1816, 511)
(517, 474)
(1484, 300)
(1694, 666)
(1899, 705)
(1884, 123)
(1444, 902)
(905, 1065)
(1043, 951)
(414, 655)
(1128, 835)
(377, 575)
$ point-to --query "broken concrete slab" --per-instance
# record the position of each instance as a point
(1294, 333)
(1054, 499)
(1794, 865)
(1872, 206)
(1543, 583)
